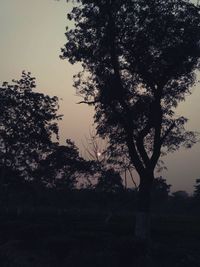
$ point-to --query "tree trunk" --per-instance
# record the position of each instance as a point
(142, 224)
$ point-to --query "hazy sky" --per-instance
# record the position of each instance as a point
(32, 33)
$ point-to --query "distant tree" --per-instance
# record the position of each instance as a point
(27, 125)
(197, 189)
(109, 181)
(180, 194)
(63, 167)
(139, 60)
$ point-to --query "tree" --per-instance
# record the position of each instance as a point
(196, 196)
(197, 189)
(109, 181)
(27, 125)
(180, 194)
(139, 60)
(63, 167)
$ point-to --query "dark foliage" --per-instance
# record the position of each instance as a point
(63, 167)
(197, 189)
(139, 61)
(27, 124)
(109, 181)
(139, 58)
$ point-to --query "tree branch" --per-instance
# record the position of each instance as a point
(157, 126)
(87, 102)
(140, 144)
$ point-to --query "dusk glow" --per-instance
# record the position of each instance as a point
(32, 34)
(95, 96)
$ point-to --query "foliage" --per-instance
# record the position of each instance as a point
(139, 60)
(197, 189)
(180, 195)
(27, 125)
(28, 128)
(109, 181)
(63, 167)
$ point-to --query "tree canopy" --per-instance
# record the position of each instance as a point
(63, 167)
(28, 123)
(139, 60)
(29, 147)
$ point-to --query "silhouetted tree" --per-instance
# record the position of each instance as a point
(139, 60)
(63, 167)
(109, 181)
(27, 124)
(180, 194)
(197, 190)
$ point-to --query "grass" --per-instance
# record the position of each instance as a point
(85, 238)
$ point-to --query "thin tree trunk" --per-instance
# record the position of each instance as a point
(142, 224)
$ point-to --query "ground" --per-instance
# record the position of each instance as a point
(74, 237)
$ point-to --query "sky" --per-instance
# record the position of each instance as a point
(32, 34)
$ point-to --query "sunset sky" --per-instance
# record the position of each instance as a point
(32, 33)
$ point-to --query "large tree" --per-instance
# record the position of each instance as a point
(28, 122)
(139, 60)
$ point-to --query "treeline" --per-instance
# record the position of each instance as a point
(36, 170)
(30, 153)
(27, 197)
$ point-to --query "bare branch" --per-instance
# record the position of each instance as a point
(87, 102)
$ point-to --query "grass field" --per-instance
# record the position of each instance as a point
(74, 238)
